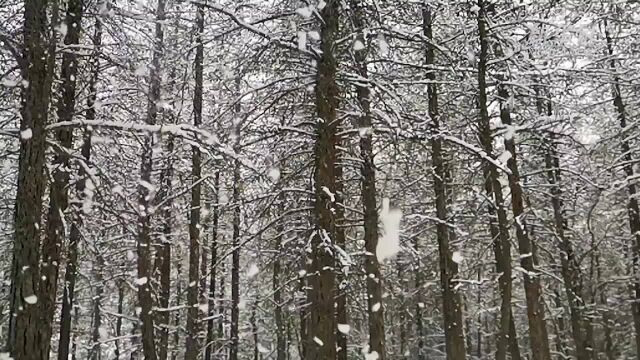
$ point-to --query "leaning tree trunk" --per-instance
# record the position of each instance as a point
(23, 338)
(498, 223)
(533, 292)
(59, 199)
(451, 301)
(194, 218)
(375, 310)
(633, 210)
(321, 322)
(144, 243)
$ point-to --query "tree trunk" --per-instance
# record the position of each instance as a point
(194, 218)
(95, 351)
(375, 310)
(235, 266)
(119, 319)
(498, 223)
(451, 300)
(23, 338)
(254, 330)
(570, 268)
(162, 266)
(281, 341)
(144, 243)
(632, 204)
(211, 331)
(321, 323)
(77, 207)
(59, 199)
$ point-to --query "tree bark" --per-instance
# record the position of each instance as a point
(633, 210)
(211, 331)
(59, 199)
(533, 291)
(498, 223)
(321, 322)
(144, 242)
(77, 208)
(235, 266)
(162, 266)
(451, 300)
(95, 351)
(281, 341)
(368, 191)
(194, 218)
(24, 342)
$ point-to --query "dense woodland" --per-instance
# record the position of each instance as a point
(332, 179)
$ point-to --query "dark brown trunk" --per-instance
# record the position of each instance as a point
(321, 323)
(235, 266)
(254, 330)
(162, 266)
(144, 242)
(23, 337)
(498, 223)
(193, 292)
(368, 192)
(119, 319)
(281, 341)
(211, 345)
(95, 351)
(632, 204)
(59, 199)
(77, 208)
(451, 300)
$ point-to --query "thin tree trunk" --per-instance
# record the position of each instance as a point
(144, 243)
(176, 319)
(194, 218)
(95, 351)
(321, 326)
(119, 319)
(77, 208)
(211, 331)
(235, 266)
(23, 337)
(281, 341)
(368, 192)
(498, 223)
(451, 300)
(162, 267)
(254, 330)
(569, 266)
(632, 204)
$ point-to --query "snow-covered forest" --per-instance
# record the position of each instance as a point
(319, 179)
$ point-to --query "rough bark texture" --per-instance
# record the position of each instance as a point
(144, 242)
(59, 199)
(194, 218)
(321, 323)
(368, 192)
(24, 341)
(498, 223)
(633, 210)
(95, 350)
(451, 300)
